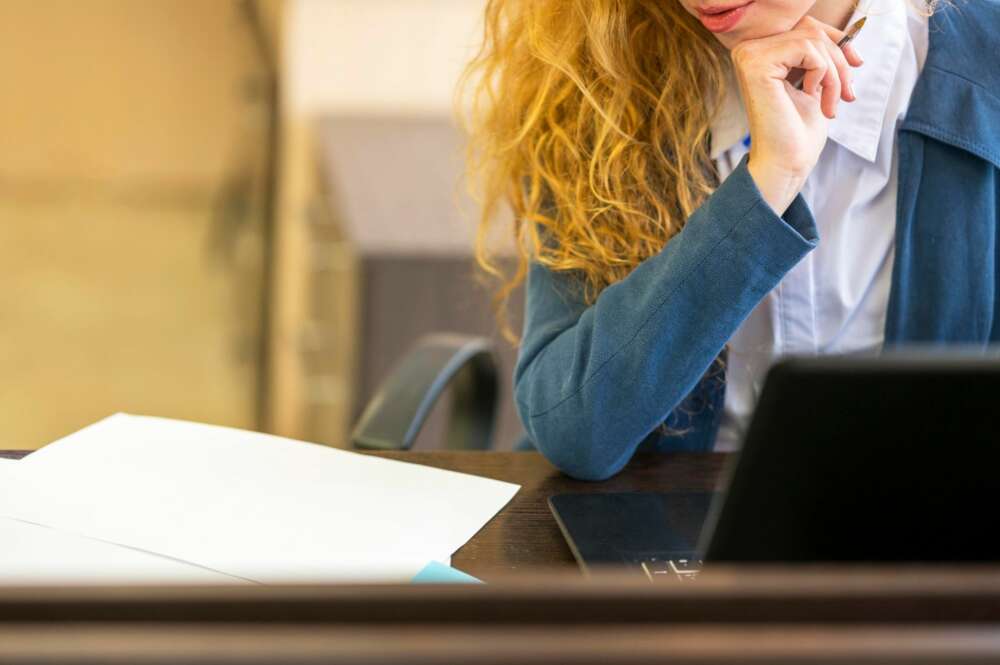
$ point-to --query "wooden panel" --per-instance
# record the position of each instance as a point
(748, 597)
(427, 644)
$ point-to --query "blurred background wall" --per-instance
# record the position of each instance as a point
(128, 284)
(231, 211)
(379, 56)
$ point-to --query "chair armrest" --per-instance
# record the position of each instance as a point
(394, 416)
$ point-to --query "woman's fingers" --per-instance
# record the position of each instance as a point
(787, 124)
(812, 58)
(844, 57)
(843, 71)
(827, 66)
(811, 47)
(852, 55)
(832, 85)
(834, 35)
(822, 77)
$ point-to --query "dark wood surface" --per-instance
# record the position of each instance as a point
(524, 535)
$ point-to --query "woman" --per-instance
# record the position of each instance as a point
(685, 214)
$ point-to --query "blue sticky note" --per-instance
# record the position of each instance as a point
(438, 573)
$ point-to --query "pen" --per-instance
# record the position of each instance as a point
(852, 32)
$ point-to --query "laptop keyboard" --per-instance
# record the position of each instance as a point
(673, 570)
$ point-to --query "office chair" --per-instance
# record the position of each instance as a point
(395, 414)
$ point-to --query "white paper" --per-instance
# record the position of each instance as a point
(250, 505)
(6, 461)
(37, 555)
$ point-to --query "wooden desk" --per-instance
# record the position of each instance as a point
(524, 535)
(778, 616)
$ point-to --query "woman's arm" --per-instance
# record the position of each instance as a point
(592, 382)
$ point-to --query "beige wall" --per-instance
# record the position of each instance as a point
(120, 123)
(119, 91)
(389, 56)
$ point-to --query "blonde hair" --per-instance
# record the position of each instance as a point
(590, 119)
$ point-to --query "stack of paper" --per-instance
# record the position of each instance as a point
(147, 499)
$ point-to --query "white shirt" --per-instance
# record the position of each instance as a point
(835, 299)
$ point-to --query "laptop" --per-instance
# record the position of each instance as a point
(846, 460)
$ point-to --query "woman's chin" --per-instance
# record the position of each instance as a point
(732, 39)
(758, 30)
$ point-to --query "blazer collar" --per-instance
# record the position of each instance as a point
(957, 98)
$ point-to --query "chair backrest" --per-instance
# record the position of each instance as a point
(394, 416)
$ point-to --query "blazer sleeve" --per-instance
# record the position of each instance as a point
(591, 382)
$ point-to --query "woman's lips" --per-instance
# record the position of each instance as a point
(722, 19)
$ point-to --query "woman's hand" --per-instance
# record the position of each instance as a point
(789, 126)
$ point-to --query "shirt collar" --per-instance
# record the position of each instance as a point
(858, 125)
(730, 125)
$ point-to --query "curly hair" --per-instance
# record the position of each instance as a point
(590, 119)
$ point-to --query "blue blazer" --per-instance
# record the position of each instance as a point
(594, 383)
